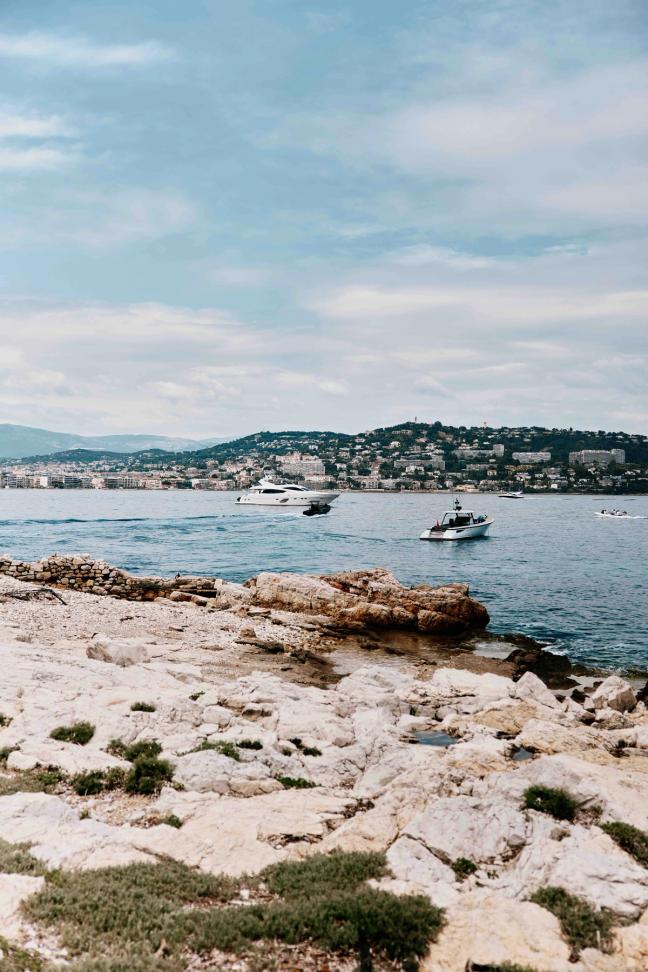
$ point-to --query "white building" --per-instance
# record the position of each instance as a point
(597, 457)
(532, 457)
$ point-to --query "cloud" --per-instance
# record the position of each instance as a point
(70, 51)
(19, 132)
(102, 220)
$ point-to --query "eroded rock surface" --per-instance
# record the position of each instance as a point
(267, 769)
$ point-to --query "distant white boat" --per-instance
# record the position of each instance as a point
(267, 493)
(618, 515)
(458, 524)
(514, 494)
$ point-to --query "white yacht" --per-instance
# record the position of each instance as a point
(267, 493)
(514, 494)
(458, 524)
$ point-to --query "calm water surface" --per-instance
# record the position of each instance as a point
(550, 568)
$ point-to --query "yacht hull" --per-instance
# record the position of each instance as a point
(298, 499)
(469, 532)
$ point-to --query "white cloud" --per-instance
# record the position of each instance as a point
(18, 134)
(32, 126)
(61, 51)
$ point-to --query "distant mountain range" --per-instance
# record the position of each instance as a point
(19, 441)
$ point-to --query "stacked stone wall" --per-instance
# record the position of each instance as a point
(82, 573)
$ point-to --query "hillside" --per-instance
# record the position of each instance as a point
(18, 441)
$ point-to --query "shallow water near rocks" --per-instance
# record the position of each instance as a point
(429, 738)
(549, 568)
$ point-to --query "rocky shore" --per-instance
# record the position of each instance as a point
(214, 760)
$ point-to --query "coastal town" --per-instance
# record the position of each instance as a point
(413, 456)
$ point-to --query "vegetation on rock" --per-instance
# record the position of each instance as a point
(138, 912)
(631, 839)
(80, 733)
(581, 924)
(295, 783)
(142, 707)
(463, 867)
(546, 799)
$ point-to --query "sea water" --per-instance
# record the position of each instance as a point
(549, 567)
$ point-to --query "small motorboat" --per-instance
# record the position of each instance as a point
(317, 509)
(618, 515)
(458, 524)
(515, 494)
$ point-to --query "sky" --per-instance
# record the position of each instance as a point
(219, 217)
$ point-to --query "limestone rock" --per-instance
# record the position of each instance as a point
(482, 831)
(14, 889)
(487, 929)
(614, 693)
(371, 598)
(416, 867)
(118, 651)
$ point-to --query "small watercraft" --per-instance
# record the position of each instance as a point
(268, 493)
(618, 515)
(515, 494)
(458, 524)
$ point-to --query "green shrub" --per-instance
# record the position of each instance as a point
(631, 839)
(323, 873)
(80, 733)
(224, 747)
(112, 907)
(16, 859)
(15, 959)
(4, 720)
(463, 867)
(147, 775)
(172, 821)
(367, 922)
(142, 707)
(306, 750)
(88, 784)
(5, 753)
(147, 748)
(558, 803)
(250, 744)
(196, 696)
(114, 778)
(582, 925)
(31, 781)
(295, 783)
(118, 919)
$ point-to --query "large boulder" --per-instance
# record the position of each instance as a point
(118, 651)
(614, 693)
(371, 598)
(461, 826)
(487, 930)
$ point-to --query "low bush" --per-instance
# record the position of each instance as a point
(4, 720)
(5, 753)
(39, 780)
(195, 696)
(113, 907)
(16, 859)
(631, 839)
(463, 867)
(224, 747)
(295, 783)
(14, 959)
(80, 733)
(546, 799)
(323, 873)
(142, 707)
(305, 750)
(147, 775)
(135, 912)
(172, 821)
(250, 744)
(88, 784)
(147, 749)
(581, 924)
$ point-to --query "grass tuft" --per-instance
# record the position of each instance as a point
(88, 784)
(225, 748)
(172, 821)
(142, 707)
(122, 919)
(80, 733)
(250, 744)
(13, 959)
(40, 780)
(295, 783)
(16, 859)
(546, 799)
(147, 775)
(463, 867)
(631, 839)
(4, 720)
(581, 924)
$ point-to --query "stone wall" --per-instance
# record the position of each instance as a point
(82, 573)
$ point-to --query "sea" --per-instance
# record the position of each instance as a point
(549, 568)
